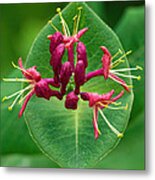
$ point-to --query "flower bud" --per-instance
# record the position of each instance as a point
(55, 40)
(79, 76)
(65, 74)
(71, 101)
(56, 60)
(81, 53)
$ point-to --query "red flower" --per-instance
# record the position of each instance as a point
(99, 102)
(37, 85)
(108, 72)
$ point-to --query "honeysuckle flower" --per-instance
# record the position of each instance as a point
(71, 100)
(99, 102)
(79, 75)
(37, 85)
(108, 72)
(65, 74)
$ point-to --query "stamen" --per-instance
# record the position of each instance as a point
(18, 92)
(16, 80)
(114, 108)
(14, 102)
(78, 18)
(119, 135)
(116, 103)
(128, 76)
(53, 26)
(75, 24)
(22, 99)
(64, 24)
(127, 69)
(120, 59)
(118, 52)
(114, 64)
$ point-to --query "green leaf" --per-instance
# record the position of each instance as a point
(66, 136)
(29, 160)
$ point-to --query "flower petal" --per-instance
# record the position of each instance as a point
(120, 81)
(55, 40)
(106, 61)
(95, 124)
(25, 103)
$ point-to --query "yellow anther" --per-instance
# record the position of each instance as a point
(138, 78)
(99, 132)
(120, 135)
(49, 22)
(130, 86)
(139, 68)
(126, 107)
(75, 17)
(106, 105)
(4, 98)
(10, 108)
(79, 8)
(58, 10)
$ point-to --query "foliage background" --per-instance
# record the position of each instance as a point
(19, 25)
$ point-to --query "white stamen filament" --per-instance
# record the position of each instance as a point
(64, 24)
(16, 93)
(127, 76)
(114, 108)
(22, 99)
(119, 135)
(16, 80)
(127, 69)
(14, 102)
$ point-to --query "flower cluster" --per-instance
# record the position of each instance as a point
(73, 72)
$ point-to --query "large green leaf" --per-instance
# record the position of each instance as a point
(66, 136)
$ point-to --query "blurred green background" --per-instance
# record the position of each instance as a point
(19, 25)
